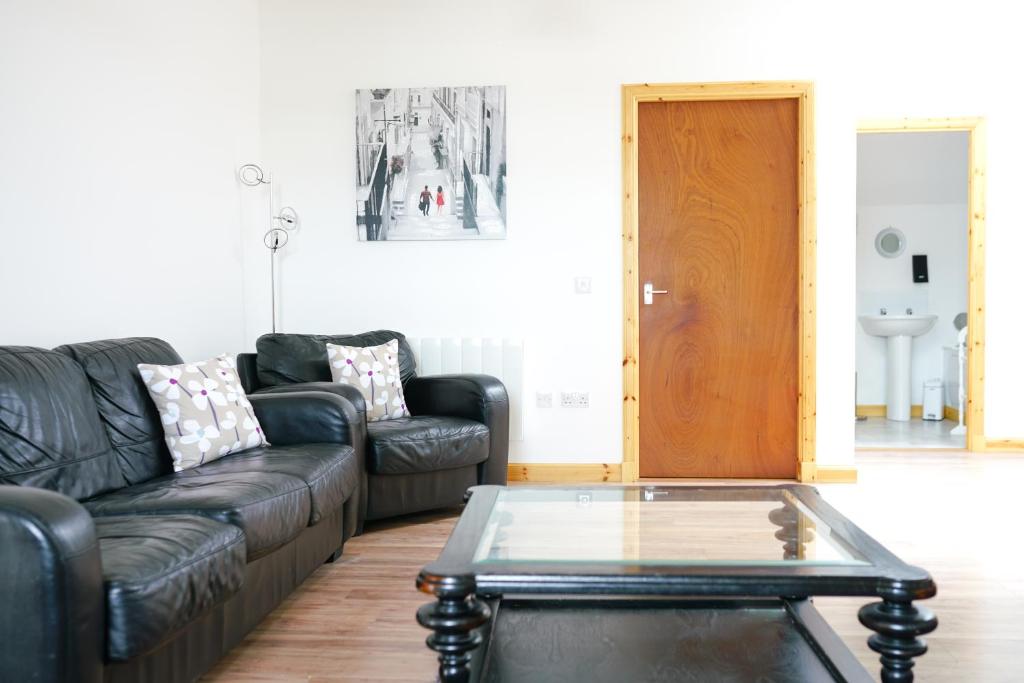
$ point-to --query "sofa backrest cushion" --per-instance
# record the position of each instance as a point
(131, 419)
(51, 435)
(291, 358)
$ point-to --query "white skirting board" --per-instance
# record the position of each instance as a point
(501, 358)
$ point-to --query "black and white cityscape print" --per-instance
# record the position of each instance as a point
(431, 163)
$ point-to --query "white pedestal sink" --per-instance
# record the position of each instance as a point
(899, 331)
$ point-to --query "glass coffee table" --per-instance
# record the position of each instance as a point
(663, 582)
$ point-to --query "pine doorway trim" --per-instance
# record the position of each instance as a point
(976, 160)
(632, 96)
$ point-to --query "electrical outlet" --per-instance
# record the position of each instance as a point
(583, 284)
(543, 399)
(575, 399)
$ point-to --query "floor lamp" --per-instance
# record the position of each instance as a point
(282, 223)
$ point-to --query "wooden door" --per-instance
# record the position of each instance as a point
(718, 229)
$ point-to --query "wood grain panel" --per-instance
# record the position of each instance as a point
(1011, 445)
(571, 473)
(879, 410)
(718, 226)
(837, 475)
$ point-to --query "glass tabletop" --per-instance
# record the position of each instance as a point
(651, 525)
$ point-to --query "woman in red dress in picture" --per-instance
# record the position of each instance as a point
(440, 199)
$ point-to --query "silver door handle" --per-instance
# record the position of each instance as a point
(650, 291)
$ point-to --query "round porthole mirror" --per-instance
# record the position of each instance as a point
(890, 243)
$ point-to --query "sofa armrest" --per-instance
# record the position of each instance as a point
(473, 397)
(51, 587)
(298, 417)
(245, 364)
(347, 392)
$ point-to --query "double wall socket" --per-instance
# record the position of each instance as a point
(569, 399)
(575, 399)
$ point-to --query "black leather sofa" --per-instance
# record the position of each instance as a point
(456, 438)
(115, 568)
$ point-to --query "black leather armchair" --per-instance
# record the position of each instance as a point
(456, 438)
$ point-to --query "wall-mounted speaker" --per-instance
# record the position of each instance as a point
(920, 268)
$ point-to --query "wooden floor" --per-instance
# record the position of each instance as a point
(956, 514)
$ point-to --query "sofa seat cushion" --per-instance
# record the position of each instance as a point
(424, 444)
(161, 573)
(330, 471)
(270, 508)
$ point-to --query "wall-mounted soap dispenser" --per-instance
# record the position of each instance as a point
(920, 268)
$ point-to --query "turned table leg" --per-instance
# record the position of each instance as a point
(897, 623)
(453, 618)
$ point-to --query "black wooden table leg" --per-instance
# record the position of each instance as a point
(453, 618)
(897, 623)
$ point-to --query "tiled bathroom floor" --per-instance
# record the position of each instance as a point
(878, 432)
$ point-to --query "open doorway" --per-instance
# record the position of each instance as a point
(919, 328)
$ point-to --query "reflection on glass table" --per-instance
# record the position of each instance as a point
(653, 525)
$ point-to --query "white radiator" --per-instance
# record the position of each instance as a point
(501, 358)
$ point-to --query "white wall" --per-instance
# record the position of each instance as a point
(912, 168)
(563, 64)
(938, 230)
(121, 124)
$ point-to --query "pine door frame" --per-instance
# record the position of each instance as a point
(634, 94)
(976, 160)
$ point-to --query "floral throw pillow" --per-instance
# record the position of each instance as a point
(374, 371)
(203, 409)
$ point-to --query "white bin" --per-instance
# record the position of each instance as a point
(932, 399)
